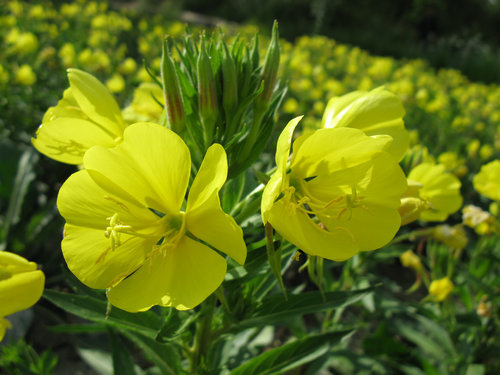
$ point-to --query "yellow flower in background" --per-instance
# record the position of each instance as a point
(125, 230)
(440, 289)
(411, 260)
(487, 181)
(340, 194)
(440, 189)
(21, 286)
(128, 66)
(375, 112)
(86, 116)
(25, 75)
(67, 55)
(147, 104)
(116, 83)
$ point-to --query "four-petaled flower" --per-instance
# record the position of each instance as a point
(339, 195)
(129, 231)
(87, 115)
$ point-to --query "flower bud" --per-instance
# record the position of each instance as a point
(270, 72)
(171, 91)
(230, 83)
(207, 99)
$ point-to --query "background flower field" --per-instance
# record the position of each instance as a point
(387, 316)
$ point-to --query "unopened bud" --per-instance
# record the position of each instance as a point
(171, 91)
(207, 99)
(270, 71)
(230, 83)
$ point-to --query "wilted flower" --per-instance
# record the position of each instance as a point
(86, 116)
(487, 181)
(475, 217)
(340, 194)
(375, 112)
(125, 230)
(440, 289)
(21, 286)
(452, 236)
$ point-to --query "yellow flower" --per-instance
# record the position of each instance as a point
(86, 116)
(340, 194)
(116, 83)
(375, 112)
(487, 181)
(411, 260)
(125, 230)
(128, 66)
(25, 75)
(21, 286)
(439, 188)
(440, 289)
(144, 107)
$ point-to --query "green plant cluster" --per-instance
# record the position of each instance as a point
(373, 313)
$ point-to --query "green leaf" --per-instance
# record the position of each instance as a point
(290, 356)
(275, 309)
(146, 323)
(163, 355)
(25, 174)
(122, 360)
(232, 192)
(175, 324)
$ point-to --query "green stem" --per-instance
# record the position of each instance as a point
(412, 235)
(203, 335)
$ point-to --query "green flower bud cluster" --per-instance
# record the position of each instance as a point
(220, 93)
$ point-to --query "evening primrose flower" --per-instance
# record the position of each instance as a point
(440, 189)
(125, 230)
(375, 112)
(487, 181)
(147, 104)
(340, 194)
(87, 115)
(21, 286)
(440, 289)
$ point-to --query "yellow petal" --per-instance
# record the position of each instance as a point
(96, 101)
(277, 181)
(204, 215)
(4, 324)
(327, 150)
(299, 229)
(20, 291)
(182, 278)
(67, 139)
(375, 112)
(66, 107)
(14, 263)
(82, 202)
(89, 256)
(152, 164)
